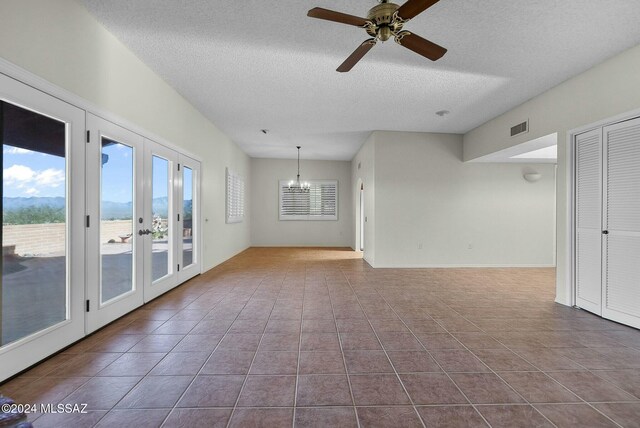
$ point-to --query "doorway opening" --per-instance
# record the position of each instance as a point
(360, 218)
(361, 243)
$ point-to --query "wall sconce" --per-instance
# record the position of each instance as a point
(532, 177)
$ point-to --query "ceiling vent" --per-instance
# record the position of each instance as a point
(520, 128)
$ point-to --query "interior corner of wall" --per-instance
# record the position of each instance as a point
(370, 260)
(562, 300)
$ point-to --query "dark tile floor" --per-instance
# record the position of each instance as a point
(309, 337)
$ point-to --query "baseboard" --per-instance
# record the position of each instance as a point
(462, 266)
(208, 268)
(342, 246)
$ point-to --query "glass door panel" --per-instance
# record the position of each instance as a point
(161, 244)
(116, 220)
(116, 223)
(42, 225)
(189, 244)
(162, 235)
(34, 222)
(187, 221)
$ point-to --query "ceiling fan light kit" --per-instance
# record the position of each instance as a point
(384, 21)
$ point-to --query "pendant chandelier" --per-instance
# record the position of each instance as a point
(297, 186)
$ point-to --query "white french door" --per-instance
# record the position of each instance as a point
(96, 220)
(116, 222)
(189, 254)
(160, 219)
(143, 233)
(43, 248)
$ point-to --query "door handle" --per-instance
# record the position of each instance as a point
(144, 232)
(605, 232)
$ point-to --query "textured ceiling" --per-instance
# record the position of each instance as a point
(253, 64)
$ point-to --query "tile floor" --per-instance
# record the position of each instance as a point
(310, 337)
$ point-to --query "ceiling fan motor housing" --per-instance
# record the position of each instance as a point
(385, 22)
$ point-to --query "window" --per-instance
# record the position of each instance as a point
(320, 203)
(235, 197)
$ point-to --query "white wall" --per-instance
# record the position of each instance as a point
(268, 231)
(425, 194)
(365, 175)
(62, 43)
(606, 90)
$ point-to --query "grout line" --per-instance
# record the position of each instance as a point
(479, 359)
(344, 361)
(125, 352)
(529, 362)
(259, 342)
(295, 394)
(214, 349)
(465, 347)
(384, 350)
(204, 288)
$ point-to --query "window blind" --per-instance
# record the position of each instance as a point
(320, 203)
(235, 197)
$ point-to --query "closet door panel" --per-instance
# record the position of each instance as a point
(623, 176)
(588, 270)
(621, 279)
(588, 147)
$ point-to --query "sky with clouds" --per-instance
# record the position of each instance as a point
(26, 174)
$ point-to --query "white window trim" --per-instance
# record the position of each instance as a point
(235, 187)
(282, 183)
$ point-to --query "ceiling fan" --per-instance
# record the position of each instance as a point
(384, 21)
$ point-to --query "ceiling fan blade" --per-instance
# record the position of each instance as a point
(420, 46)
(413, 8)
(356, 55)
(343, 18)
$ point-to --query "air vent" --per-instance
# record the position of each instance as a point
(520, 128)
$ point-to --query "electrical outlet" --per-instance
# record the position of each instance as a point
(470, 246)
(420, 246)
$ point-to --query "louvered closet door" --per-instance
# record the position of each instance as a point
(588, 149)
(621, 246)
